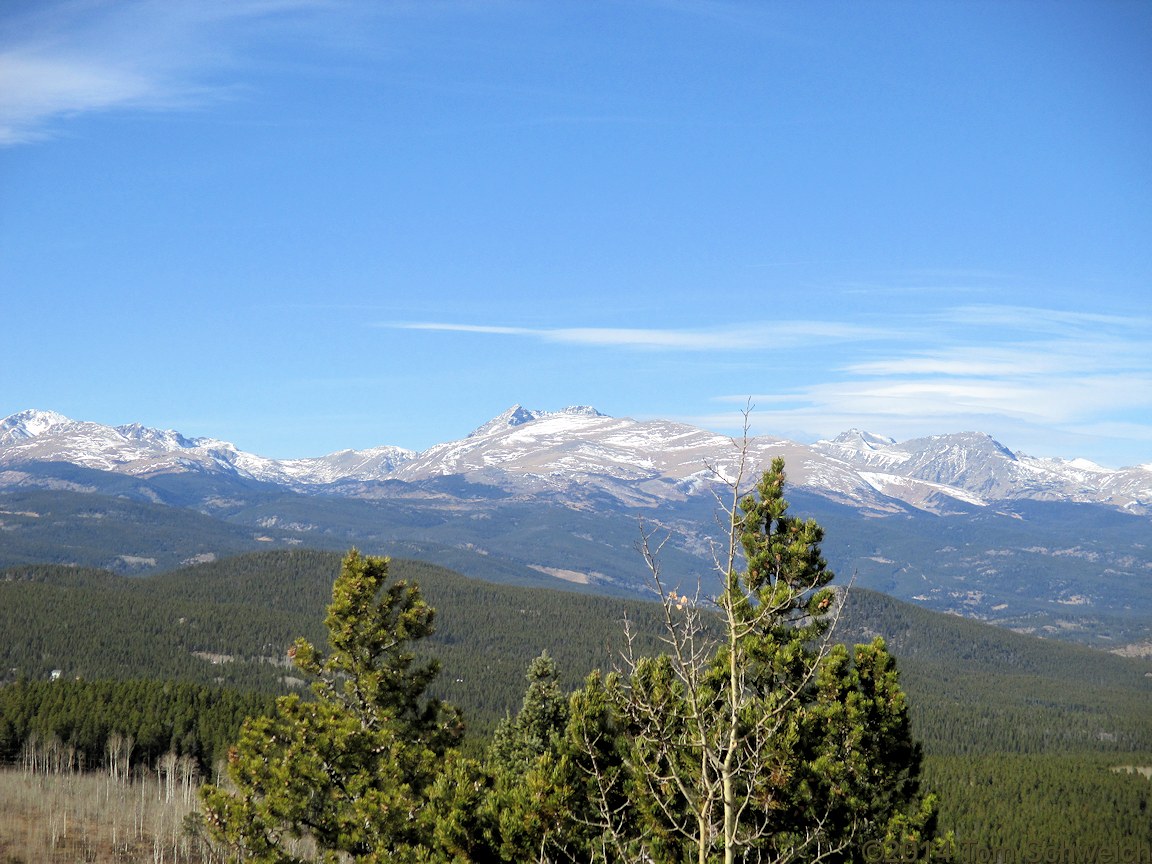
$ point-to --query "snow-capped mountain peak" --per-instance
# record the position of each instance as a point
(1089, 465)
(29, 424)
(578, 453)
(134, 449)
(861, 440)
(581, 411)
(517, 415)
(167, 439)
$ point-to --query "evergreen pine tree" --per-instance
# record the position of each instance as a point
(350, 772)
(765, 744)
(537, 728)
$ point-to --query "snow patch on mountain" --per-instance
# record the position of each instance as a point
(29, 424)
(133, 449)
(915, 491)
(580, 455)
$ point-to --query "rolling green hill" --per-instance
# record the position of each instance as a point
(1068, 571)
(1022, 734)
(975, 688)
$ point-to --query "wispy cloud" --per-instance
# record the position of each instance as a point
(1066, 357)
(774, 335)
(1041, 378)
(41, 88)
(1055, 401)
(1089, 376)
(64, 58)
(1030, 319)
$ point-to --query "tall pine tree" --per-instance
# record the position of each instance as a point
(350, 772)
(765, 743)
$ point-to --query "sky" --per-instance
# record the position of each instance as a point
(309, 225)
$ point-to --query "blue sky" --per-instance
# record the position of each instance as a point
(306, 225)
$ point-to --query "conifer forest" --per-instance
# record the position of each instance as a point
(307, 706)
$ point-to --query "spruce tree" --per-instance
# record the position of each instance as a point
(537, 728)
(762, 744)
(348, 773)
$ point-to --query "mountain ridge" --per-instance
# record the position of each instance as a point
(529, 451)
(957, 523)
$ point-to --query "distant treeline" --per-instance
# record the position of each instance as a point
(92, 725)
(1046, 807)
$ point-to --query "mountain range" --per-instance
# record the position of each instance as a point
(956, 522)
(581, 450)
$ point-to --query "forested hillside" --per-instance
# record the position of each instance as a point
(86, 725)
(975, 688)
(1008, 721)
(1063, 570)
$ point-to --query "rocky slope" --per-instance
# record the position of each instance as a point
(584, 454)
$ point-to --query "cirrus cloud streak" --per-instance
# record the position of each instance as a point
(65, 59)
(1046, 381)
(715, 340)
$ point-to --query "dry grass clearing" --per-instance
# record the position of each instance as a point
(78, 817)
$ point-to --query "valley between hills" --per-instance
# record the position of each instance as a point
(129, 558)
